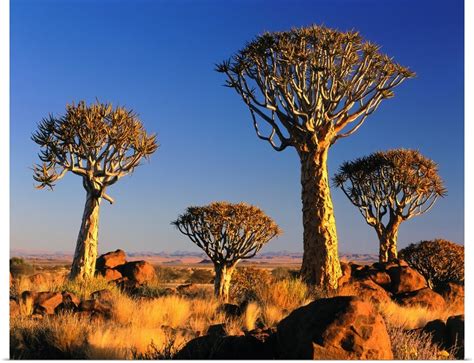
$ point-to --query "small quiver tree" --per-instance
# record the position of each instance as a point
(101, 145)
(439, 261)
(307, 88)
(227, 233)
(389, 188)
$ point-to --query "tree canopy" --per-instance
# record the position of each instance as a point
(97, 142)
(311, 85)
(400, 182)
(227, 232)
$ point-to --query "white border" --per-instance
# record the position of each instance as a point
(468, 170)
(5, 175)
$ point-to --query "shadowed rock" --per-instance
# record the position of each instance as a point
(229, 347)
(70, 303)
(423, 297)
(455, 334)
(343, 327)
(96, 307)
(405, 279)
(217, 330)
(437, 330)
(453, 294)
(104, 296)
(231, 310)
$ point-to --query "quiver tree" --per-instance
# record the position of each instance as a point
(389, 188)
(101, 145)
(227, 233)
(311, 87)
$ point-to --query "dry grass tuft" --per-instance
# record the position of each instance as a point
(287, 294)
(415, 345)
(252, 313)
(409, 317)
(272, 315)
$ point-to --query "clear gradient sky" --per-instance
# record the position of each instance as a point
(158, 58)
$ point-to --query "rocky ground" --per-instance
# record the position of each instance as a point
(377, 309)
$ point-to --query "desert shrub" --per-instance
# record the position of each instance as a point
(288, 294)
(281, 273)
(439, 261)
(150, 291)
(247, 281)
(198, 292)
(172, 274)
(83, 289)
(415, 345)
(201, 276)
(19, 266)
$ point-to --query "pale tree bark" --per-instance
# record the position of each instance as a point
(85, 255)
(321, 266)
(388, 237)
(222, 281)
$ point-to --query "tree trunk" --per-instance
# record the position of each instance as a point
(388, 241)
(83, 265)
(321, 266)
(222, 281)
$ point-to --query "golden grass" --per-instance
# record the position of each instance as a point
(272, 315)
(251, 314)
(118, 342)
(83, 289)
(23, 283)
(157, 326)
(287, 294)
(410, 317)
(172, 311)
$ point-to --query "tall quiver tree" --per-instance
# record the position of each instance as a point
(389, 188)
(227, 233)
(101, 145)
(312, 86)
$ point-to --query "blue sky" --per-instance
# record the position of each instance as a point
(158, 58)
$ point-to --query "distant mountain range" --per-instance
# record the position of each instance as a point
(177, 256)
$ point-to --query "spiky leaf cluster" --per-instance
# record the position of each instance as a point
(400, 181)
(227, 232)
(311, 85)
(98, 142)
(439, 261)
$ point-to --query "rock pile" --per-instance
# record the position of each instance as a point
(39, 304)
(381, 282)
(113, 266)
(334, 328)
